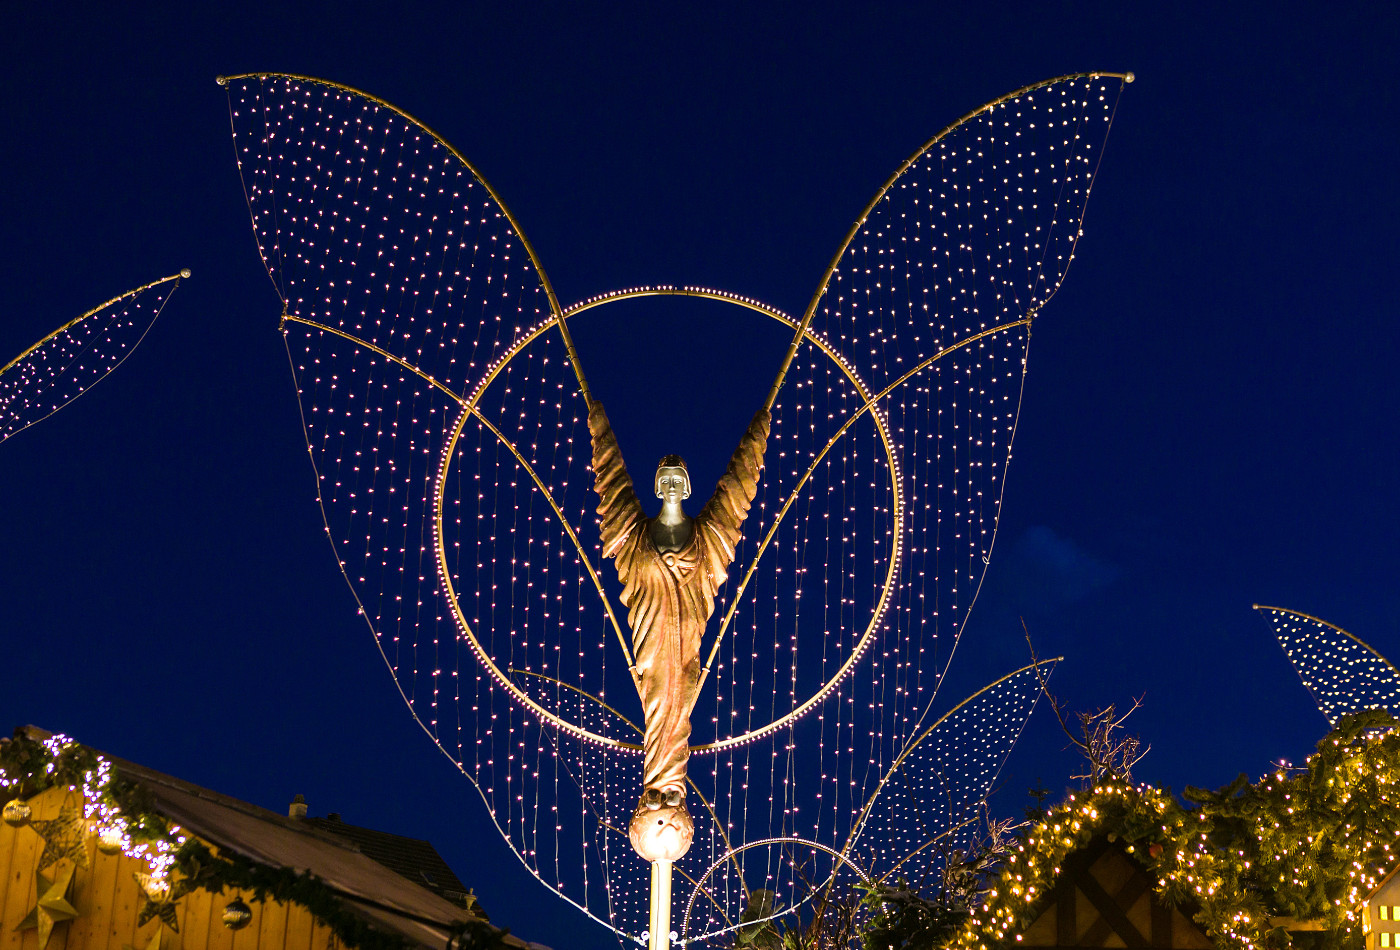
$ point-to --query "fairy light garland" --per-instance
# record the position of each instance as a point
(451, 452)
(1311, 844)
(63, 761)
(118, 816)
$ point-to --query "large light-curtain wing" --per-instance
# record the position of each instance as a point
(78, 355)
(893, 423)
(1343, 673)
(448, 436)
(892, 432)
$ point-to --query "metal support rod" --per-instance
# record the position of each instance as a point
(660, 905)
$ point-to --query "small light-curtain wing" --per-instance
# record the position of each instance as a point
(78, 355)
(1343, 673)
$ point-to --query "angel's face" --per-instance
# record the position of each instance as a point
(672, 483)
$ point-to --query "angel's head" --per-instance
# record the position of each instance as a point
(672, 479)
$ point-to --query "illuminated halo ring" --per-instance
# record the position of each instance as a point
(729, 856)
(869, 404)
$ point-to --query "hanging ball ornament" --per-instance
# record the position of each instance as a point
(109, 841)
(237, 914)
(17, 812)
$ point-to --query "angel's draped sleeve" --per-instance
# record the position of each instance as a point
(620, 513)
(723, 517)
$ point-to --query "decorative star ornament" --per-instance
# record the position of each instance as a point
(159, 900)
(52, 906)
(64, 837)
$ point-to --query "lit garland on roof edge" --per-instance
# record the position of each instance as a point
(1310, 845)
(122, 816)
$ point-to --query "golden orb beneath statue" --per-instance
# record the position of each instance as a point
(661, 832)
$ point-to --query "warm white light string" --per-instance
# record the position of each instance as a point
(108, 822)
(435, 388)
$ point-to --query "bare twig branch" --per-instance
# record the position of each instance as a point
(1109, 754)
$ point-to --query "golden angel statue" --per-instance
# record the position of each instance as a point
(758, 708)
(671, 567)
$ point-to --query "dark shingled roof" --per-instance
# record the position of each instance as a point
(412, 858)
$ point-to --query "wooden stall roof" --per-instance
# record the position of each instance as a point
(387, 900)
(1104, 898)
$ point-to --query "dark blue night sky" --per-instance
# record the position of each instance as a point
(1208, 420)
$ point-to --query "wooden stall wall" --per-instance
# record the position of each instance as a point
(109, 898)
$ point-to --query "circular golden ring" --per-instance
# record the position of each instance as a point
(729, 856)
(445, 575)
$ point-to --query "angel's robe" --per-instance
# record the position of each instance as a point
(670, 597)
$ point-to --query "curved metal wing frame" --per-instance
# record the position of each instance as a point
(1046, 275)
(840, 856)
(468, 405)
(1343, 672)
(909, 163)
(912, 750)
(28, 389)
(495, 196)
